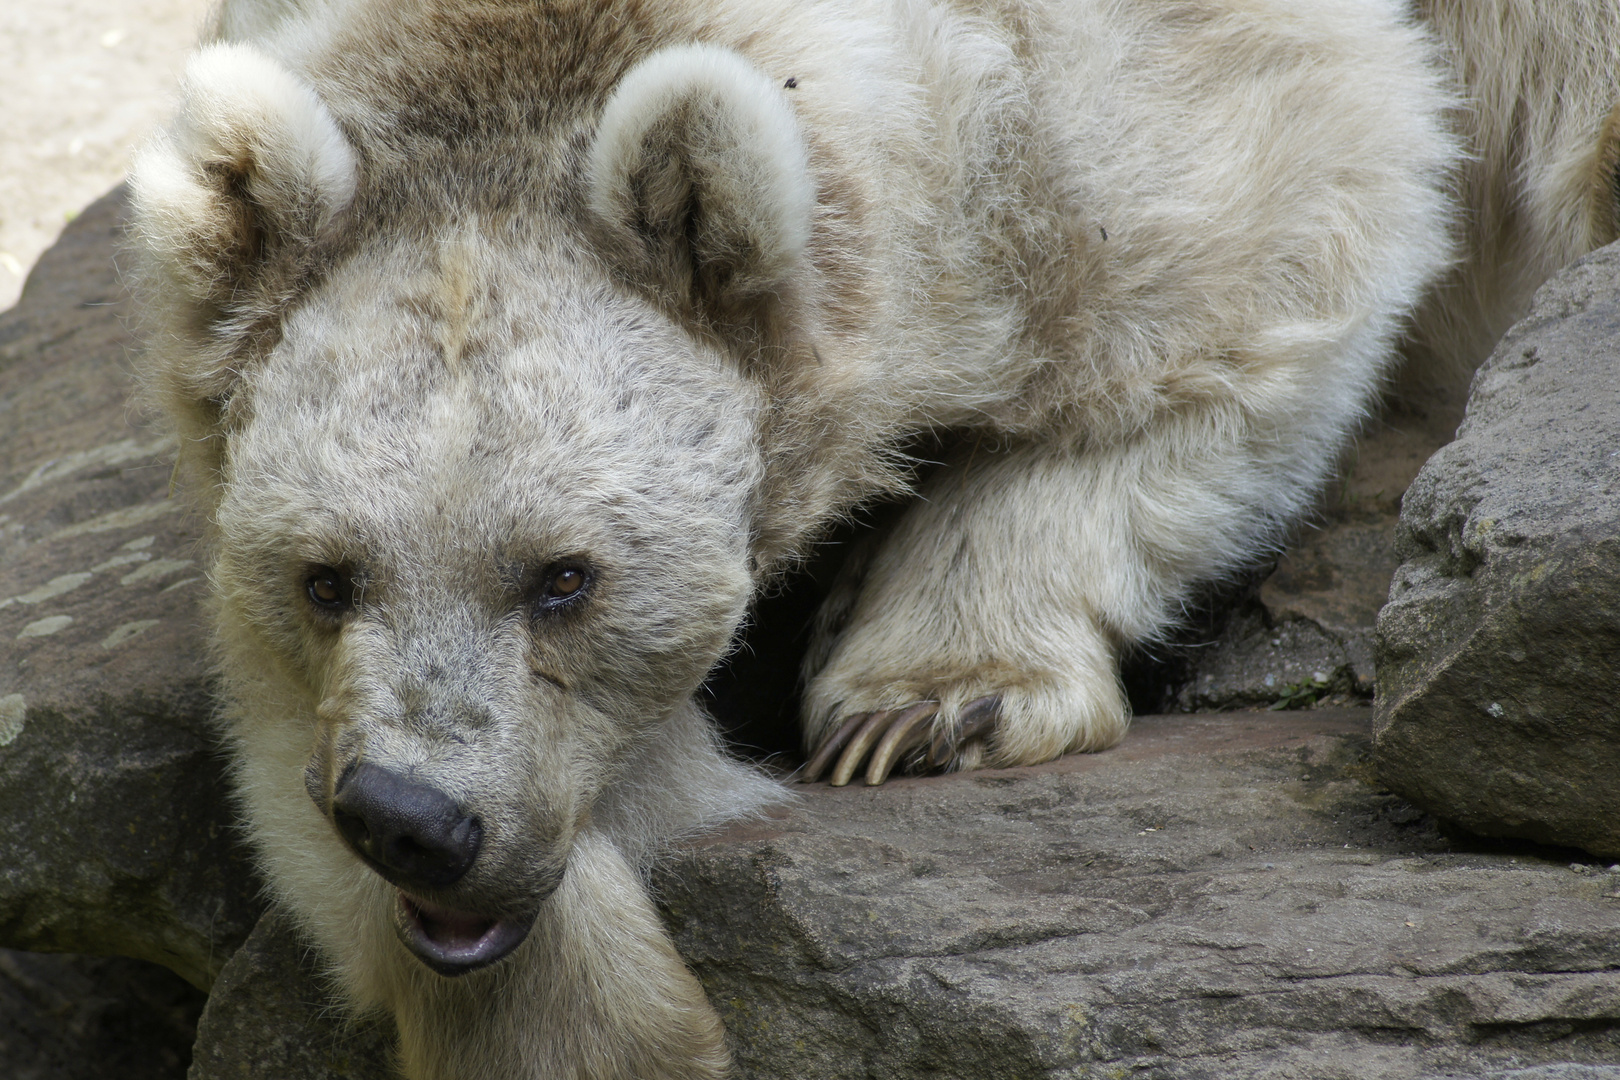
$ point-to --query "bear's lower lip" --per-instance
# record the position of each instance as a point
(456, 942)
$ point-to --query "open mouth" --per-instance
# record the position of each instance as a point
(456, 942)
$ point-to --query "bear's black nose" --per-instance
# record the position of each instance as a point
(412, 834)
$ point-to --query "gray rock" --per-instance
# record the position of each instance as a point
(1307, 634)
(1219, 897)
(1498, 669)
(271, 1015)
(1260, 660)
(115, 833)
(90, 1017)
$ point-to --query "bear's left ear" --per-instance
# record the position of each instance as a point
(699, 177)
(230, 203)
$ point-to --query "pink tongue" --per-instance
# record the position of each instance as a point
(446, 927)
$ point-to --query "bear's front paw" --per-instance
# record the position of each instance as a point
(982, 627)
(896, 735)
(1024, 720)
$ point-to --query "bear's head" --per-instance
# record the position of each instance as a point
(481, 473)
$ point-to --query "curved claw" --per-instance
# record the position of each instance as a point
(830, 747)
(974, 721)
(908, 731)
(859, 744)
(891, 734)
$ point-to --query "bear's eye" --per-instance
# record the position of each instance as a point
(329, 589)
(562, 584)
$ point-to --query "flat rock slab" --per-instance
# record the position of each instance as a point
(1221, 896)
(1499, 662)
(116, 835)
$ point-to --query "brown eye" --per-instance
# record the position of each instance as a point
(329, 589)
(562, 584)
(567, 582)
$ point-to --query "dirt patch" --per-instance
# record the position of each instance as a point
(83, 82)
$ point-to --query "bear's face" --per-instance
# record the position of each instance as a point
(495, 532)
(483, 470)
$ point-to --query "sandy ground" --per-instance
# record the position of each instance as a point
(82, 83)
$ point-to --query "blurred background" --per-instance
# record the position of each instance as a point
(82, 83)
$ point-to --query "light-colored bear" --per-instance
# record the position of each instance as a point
(516, 345)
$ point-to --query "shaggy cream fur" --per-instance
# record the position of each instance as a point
(516, 346)
(1538, 83)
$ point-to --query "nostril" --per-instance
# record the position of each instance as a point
(353, 827)
(410, 832)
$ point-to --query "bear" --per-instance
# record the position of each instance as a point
(516, 347)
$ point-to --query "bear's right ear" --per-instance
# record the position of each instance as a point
(700, 181)
(228, 204)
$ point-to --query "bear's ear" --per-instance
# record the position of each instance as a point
(228, 204)
(699, 177)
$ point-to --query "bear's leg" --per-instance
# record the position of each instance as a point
(1605, 183)
(597, 992)
(986, 628)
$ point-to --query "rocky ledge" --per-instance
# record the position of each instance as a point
(1232, 895)
(1221, 896)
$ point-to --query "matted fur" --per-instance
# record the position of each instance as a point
(441, 293)
(1538, 84)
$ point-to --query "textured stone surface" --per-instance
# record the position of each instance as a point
(1222, 896)
(90, 1017)
(1306, 634)
(270, 1015)
(115, 835)
(1500, 646)
(1259, 659)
